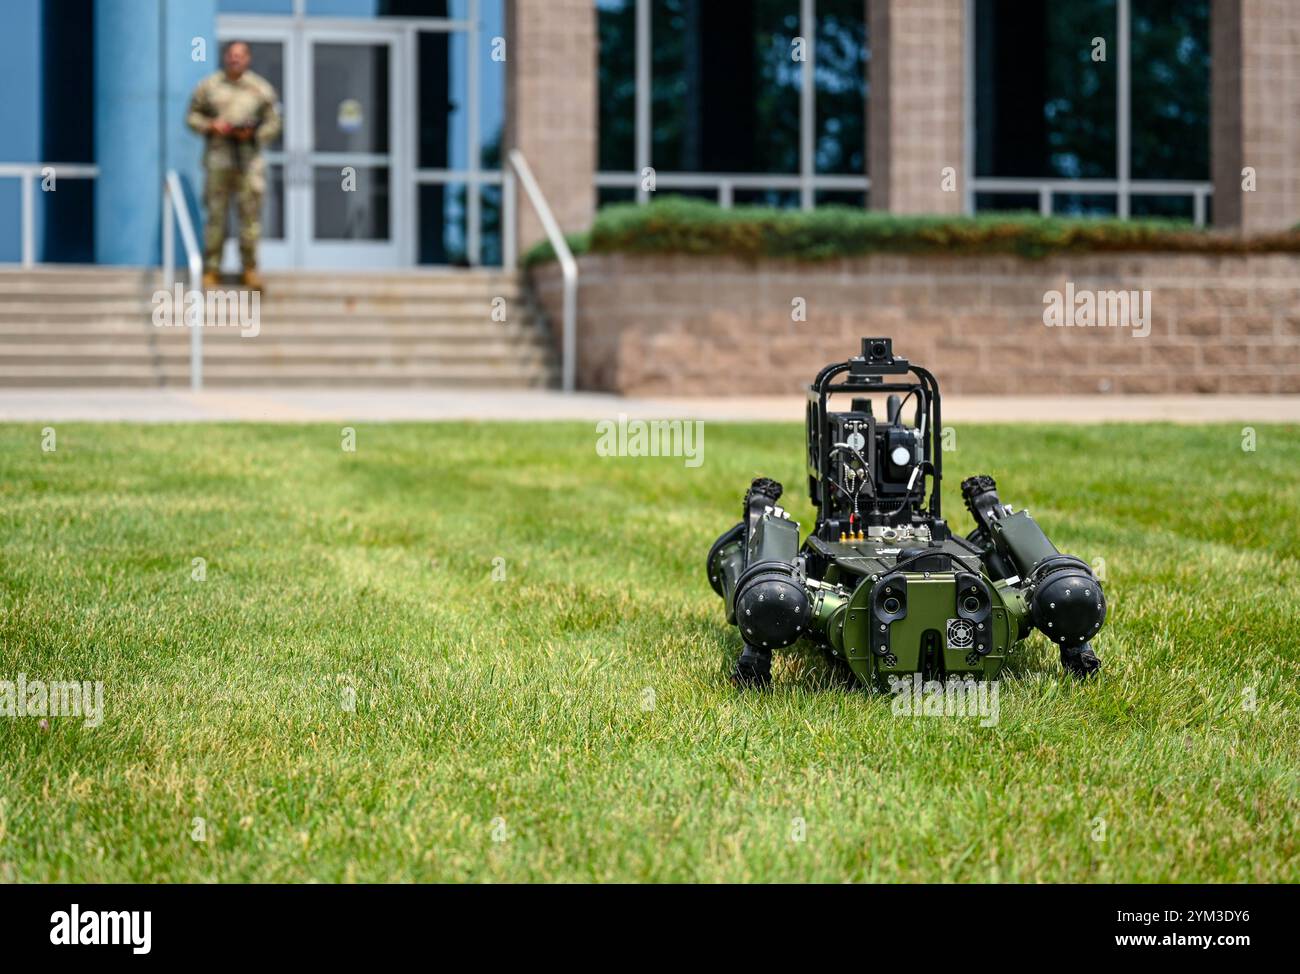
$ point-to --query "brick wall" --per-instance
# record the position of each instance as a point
(915, 119)
(551, 107)
(657, 325)
(1255, 89)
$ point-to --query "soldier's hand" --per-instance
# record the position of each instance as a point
(220, 127)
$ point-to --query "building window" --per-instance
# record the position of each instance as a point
(1171, 92)
(725, 87)
(616, 28)
(458, 201)
(762, 102)
(68, 96)
(1091, 107)
(841, 74)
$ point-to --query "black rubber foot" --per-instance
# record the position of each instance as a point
(1080, 660)
(753, 670)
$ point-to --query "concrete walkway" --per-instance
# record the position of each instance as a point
(381, 405)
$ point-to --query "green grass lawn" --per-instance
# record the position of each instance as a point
(350, 695)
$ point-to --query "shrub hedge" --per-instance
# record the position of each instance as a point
(679, 225)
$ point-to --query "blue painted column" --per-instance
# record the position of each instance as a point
(146, 65)
(20, 112)
(187, 23)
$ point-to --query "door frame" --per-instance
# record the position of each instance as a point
(299, 249)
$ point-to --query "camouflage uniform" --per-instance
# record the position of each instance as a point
(233, 167)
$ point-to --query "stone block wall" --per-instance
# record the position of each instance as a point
(670, 325)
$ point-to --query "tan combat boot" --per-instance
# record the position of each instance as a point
(252, 279)
(211, 279)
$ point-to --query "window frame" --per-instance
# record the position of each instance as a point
(1123, 187)
(807, 181)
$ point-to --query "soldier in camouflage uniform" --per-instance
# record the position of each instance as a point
(234, 109)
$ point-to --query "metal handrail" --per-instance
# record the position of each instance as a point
(27, 172)
(174, 202)
(568, 266)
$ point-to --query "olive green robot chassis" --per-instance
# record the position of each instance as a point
(881, 582)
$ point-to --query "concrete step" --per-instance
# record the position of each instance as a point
(134, 297)
(302, 311)
(306, 345)
(389, 374)
(101, 272)
(256, 351)
(28, 331)
(452, 333)
(397, 373)
(28, 375)
(431, 286)
(28, 290)
(90, 326)
(74, 310)
(77, 273)
(506, 381)
(24, 290)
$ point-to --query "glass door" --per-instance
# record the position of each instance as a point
(350, 181)
(338, 177)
